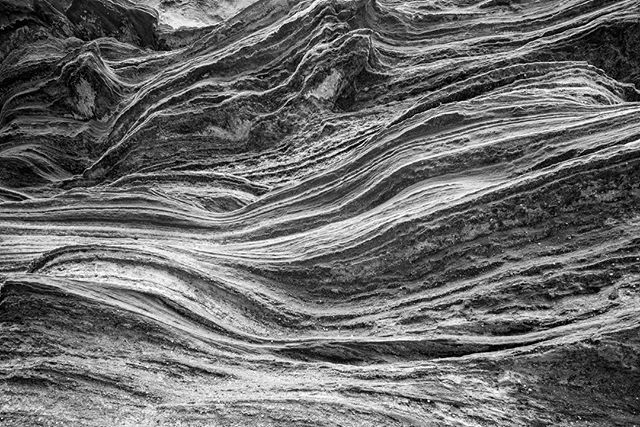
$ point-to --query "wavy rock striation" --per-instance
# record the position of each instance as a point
(320, 213)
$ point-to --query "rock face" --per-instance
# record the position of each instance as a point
(356, 213)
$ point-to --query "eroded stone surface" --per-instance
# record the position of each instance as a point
(319, 213)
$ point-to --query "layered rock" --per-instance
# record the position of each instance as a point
(320, 213)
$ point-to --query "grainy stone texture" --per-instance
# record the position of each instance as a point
(354, 213)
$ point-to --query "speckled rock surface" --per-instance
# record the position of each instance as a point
(354, 213)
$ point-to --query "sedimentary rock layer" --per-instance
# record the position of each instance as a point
(320, 213)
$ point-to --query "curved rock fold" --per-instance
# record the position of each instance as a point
(329, 212)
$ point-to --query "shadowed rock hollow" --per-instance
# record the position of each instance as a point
(355, 213)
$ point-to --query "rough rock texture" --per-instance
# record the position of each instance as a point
(355, 213)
